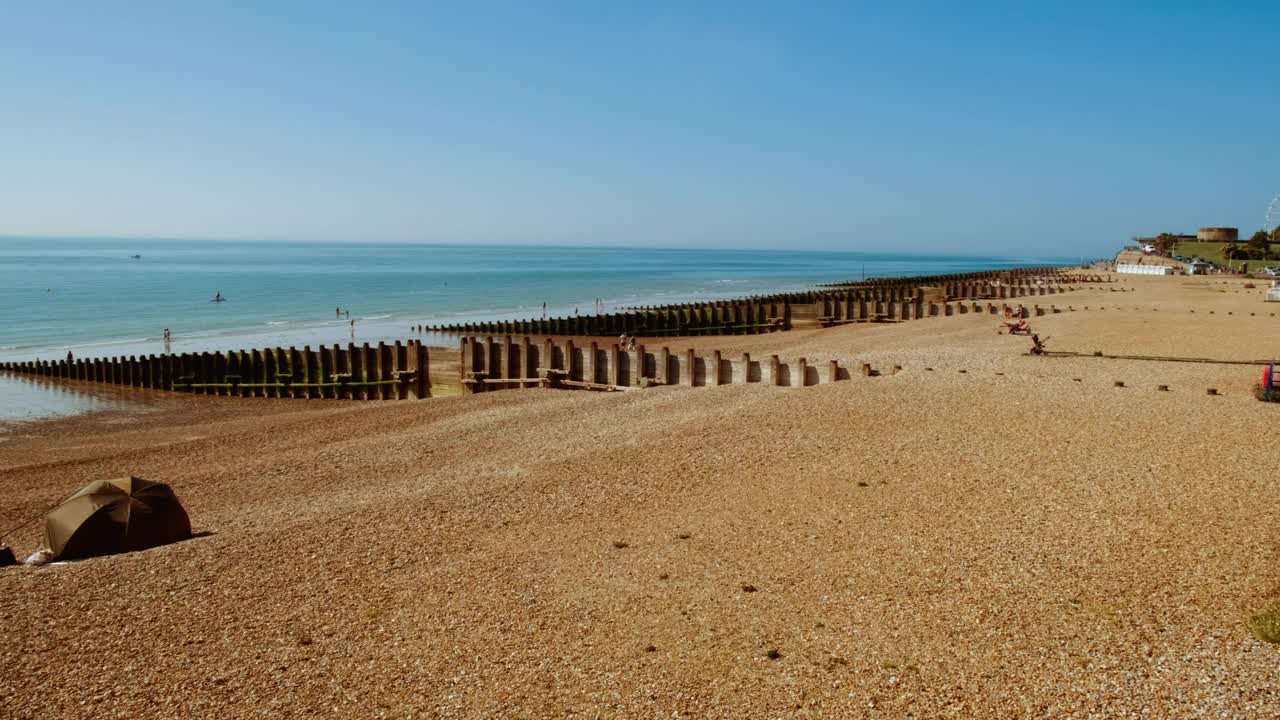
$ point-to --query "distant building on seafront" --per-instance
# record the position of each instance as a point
(1218, 234)
(1204, 234)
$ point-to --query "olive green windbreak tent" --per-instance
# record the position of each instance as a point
(115, 516)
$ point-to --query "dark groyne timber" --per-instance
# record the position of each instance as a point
(385, 372)
(771, 313)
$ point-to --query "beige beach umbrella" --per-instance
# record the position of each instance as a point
(115, 516)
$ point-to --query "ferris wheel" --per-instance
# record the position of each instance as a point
(1273, 215)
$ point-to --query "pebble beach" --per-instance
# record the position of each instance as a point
(980, 533)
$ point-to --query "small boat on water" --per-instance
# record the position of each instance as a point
(135, 257)
(218, 298)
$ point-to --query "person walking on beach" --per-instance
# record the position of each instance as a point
(167, 340)
(337, 312)
(353, 329)
(544, 311)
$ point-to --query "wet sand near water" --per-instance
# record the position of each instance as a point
(29, 398)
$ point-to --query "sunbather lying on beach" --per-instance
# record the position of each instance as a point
(1018, 327)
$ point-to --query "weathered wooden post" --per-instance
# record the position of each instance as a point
(219, 374)
(639, 373)
(188, 371)
(714, 371)
(691, 367)
(295, 383)
(465, 364)
(423, 376)
(833, 371)
(182, 372)
(547, 363)
(341, 372)
(258, 373)
(285, 371)
(589, 363)
(305, 373)
(376, 370)
(369, 363)
(386, 369)
(492, 360)
(157, 372)
(354, 366)
(572, 369)
(504, 364)
(775, 370)
(325, 371)
(615, 366)
(238, 366)
(167, 373)
(524, 369)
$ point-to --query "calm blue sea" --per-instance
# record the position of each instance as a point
(94, 298)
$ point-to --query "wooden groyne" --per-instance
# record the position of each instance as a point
(489, 365)
(729, 317)
(838, 307)
(1009, 276)
(385, 372)
(509, 363)
(784, 311)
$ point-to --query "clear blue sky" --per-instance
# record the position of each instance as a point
(953, 127)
